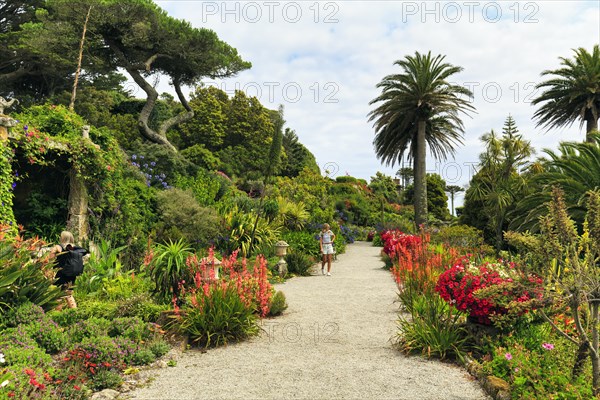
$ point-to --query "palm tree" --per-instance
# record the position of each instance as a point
(575, 169)
(574, 93)
(453, 189)
(419, 107)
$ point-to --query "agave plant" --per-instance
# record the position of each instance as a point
(168, 268)
(293, 215)
(240, 236)
(105, 263)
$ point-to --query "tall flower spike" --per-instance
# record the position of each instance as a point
(593, 219)
(565, 227)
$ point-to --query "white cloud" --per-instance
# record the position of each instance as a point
(337, 65)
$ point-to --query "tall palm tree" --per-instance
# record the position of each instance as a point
(453, 189)
(574, 93)
(419, 107)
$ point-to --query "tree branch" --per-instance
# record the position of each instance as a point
(557, 329)
(151, 97)
(178, 119)
(13, 75)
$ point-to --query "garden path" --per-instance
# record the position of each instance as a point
(333, 342)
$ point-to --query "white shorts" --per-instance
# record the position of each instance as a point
(328, 249)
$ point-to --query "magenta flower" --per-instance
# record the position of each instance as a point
(508, 356)
(548, 346)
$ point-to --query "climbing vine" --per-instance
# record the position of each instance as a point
(47, 134)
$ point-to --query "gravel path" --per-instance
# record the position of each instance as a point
(333, 342)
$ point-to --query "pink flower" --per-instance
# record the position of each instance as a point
(548, 346)
(508, 356)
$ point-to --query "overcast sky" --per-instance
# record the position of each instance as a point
(322, 60)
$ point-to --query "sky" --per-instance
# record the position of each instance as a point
(322, 61)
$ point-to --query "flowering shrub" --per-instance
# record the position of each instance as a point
(537, 365)
(252, 285)
(488, 290)
(396, 241)
(23, 278)
(216, 311)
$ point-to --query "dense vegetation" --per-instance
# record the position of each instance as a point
(187, 198)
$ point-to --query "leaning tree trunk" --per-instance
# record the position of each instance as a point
(80, 59)
(135, 71)
(420, 200)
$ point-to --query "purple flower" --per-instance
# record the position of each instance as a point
(153, 164)
(508, 356)
(14, 185)
(25, 127)
(548, 346)
(134, 157)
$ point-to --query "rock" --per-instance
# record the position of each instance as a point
(161, 364)
(106, 394)
(497, 384)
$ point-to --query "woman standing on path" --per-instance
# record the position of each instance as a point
(326, 238)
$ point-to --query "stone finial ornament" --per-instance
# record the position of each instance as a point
(6, 104)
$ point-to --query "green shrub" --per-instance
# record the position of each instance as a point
(98, 308)
(159, 347)
(461, 236)
(434, 329)
(89, 328)
(103, 349)
(278, 304)
(20, 349)
(377, 240)
(132, 328)
(24, 314)
(345, 179)
(217, 319)
(537, 372)
(68, 316)
(181, 217)
(48, 335)
(106, 379)
(298, 263)
(142, 306)
(143, 357)
(303, 242)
